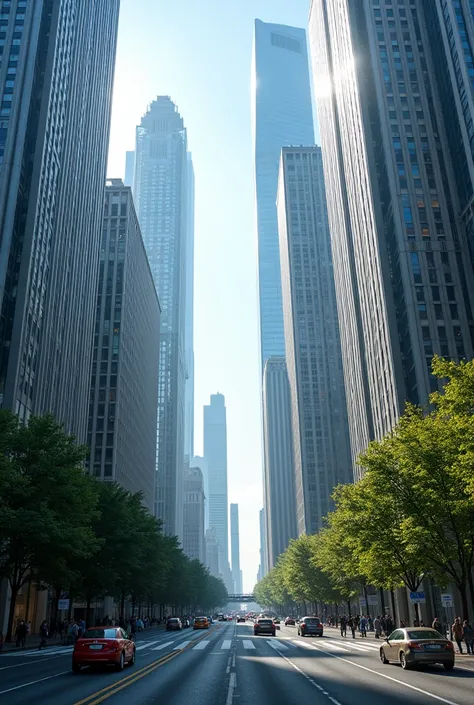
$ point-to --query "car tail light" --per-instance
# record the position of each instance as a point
(414, 645)
(449, 646)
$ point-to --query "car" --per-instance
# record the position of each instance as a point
(290, 622)
(103, 646)
(412, 646)
(240, 619)
(264, 625)
(201, 623)
(173, 624)
(309, 626)
(276, 620)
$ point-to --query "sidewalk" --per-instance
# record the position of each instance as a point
(33, 641)
(464, 660)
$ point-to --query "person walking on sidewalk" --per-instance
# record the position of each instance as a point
(377, 627)
(468, 635)
(458, 633)
(21, 632)
(437, 626)
(343, 625)
(43, 634)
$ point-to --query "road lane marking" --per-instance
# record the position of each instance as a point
(331, 647)
(384, 675)
(354, 645)
(306, 645)
(162, 646)
(226, 644)
(230, 692)
(181, 646)
(201, 645)
(18, 665)
(24, 685)
(312, 681)
(277, 645)
(147, 645)
(248, 644)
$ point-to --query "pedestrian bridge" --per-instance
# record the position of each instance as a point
(241, 598)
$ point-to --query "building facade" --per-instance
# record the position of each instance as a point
(161, 192)
(278, 476)
(193, 532)
(56, 81)
(403, 276)
(215, 454)
(235, 548)
(281, 115)
(124, 382)
(189, 318)
(212, 553)
(263, 567)
(322, 456)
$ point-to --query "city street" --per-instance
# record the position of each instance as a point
(227, 665)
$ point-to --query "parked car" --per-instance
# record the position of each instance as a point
(264, 625)
(414, 645)
(103, 646)
(290, 622)
(173, 623)
(308, 626)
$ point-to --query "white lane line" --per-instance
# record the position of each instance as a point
(389, 678)
(230, 692)
(162, 646)
(181, 646)
(201, 645)
(147, 645)
(277, 645)
(226, 644)
(331, 647)
(18, 665)
(248, 644)
(25, 685)
(306, 645)
(313, 682)
(355, 645)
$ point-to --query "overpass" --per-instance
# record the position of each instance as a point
(241, 598)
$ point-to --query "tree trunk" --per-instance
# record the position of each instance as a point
(122, 605)
(392, 595)
(464, 601)
(28, 600)
(382, 600)
(11, 612)
(88, 611)
(417, 611)
(470, 578)
(349, 607)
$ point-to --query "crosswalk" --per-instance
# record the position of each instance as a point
(278, 645)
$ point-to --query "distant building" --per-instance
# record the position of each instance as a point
(200, 462)
(129, 168)
(235, 548)
(124, 383)
(212, 553)
(161, 192)
(193, 533)
(189, 318)
(279, 478)
(322, 455)
(215, 454)
(263, 568)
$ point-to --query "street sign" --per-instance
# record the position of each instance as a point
(417, 598)
(63, 604)
(446, 600)
(362, 602)
(373, 600)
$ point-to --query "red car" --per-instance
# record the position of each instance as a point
(103, 645)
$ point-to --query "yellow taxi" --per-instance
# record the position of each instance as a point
(201, 623)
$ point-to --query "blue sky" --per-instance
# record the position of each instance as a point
(199, 52)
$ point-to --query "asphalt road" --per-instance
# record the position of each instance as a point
(227, 665)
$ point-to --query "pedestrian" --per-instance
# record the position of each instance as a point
(343, 625)
(352, 626)
(363, 626)
(43, 634)
(389, 625)
(468, 635)
(457, 631)
(21, 633)
(377, 627)
(437, 626)
(416, 622)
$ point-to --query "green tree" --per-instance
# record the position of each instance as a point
(47, 504)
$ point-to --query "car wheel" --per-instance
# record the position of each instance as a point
(76, 667)
(403, 662)
(134, 655)
(448, 666)
(383, 658)
(121, 662)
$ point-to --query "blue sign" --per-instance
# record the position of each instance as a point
(417, 598)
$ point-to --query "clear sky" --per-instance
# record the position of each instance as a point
(199, 53)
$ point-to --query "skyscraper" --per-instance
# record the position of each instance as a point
(189, 319)
(278, 475)
(322, 455)
(235, 548)
(193, 532)
(263, 567)
(403, 279)
(124, 383)
(56, 82)
(161, 191)
(215, 454)
(281, 115)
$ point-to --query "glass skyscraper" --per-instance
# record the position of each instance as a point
(281, 116)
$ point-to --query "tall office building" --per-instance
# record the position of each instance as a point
(161, 191)
(281, 115)
(56, 85)
(322, 456)
(235, 548)
(200, 462)
(193, 531)
(124, 383)
(189, 319)
(263, 567)
(278, 475)
(404, 282)
(212, 553)
(215, 454)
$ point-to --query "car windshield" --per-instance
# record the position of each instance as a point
(428, 634)
(312, 621)
(173, 619)
(265, 621)
(100, 634)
